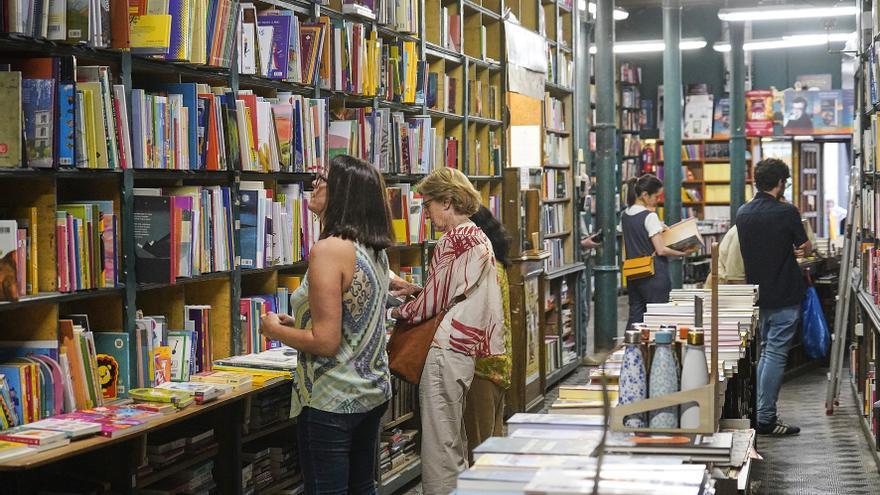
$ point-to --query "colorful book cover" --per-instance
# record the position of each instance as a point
(150, 34)
(65, 147)
(114, 369)
(15, 378)
(280, 45)
(38, 103)
(161, 364)
(180, 40)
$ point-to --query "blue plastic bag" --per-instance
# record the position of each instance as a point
(816, 337)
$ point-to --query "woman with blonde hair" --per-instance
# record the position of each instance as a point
(463, 273)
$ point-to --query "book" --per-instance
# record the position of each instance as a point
(683, 235)
(113, 360)
(554, 422)
(507, 445)
(10, 127)
(201, 392)
(71, 428)
(31, 436)
(234, 379)
(179, 399)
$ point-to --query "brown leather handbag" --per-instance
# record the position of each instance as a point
(409, 345)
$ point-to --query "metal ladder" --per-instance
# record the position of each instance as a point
(844, 290)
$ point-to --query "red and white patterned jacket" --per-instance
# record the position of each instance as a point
(463, 263)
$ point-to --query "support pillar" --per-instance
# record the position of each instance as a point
(672, 124)
(737, 119)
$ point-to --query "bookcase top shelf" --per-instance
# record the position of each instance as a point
(60, 297)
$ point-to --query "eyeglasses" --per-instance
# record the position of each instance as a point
(320, 179)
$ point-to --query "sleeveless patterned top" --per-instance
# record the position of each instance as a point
(357, 379)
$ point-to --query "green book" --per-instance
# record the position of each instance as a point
(113, 363)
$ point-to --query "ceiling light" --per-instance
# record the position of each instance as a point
(619, 14)
(785, 13)
(650, 46)
(793, 41)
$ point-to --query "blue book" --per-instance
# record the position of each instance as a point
(248, 212)
(298, 136)
(38, 107)
(280, 58)
(16, 380)
(78, 261)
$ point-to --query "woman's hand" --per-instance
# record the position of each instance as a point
(400, 287)
(270, 325)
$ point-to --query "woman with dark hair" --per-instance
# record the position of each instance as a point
(484, 408)
(641, 237)
(342, 383)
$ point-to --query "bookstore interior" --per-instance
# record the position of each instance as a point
(161, 173)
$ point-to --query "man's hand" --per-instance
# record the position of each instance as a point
(401, 288)
(803, 250)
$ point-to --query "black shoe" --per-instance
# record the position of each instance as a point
(778, 429)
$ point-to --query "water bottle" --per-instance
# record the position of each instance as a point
(633, 386)
(694, 374)
(663, 380)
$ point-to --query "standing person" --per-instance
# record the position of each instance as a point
(641, 237)
(343, 382)
(484, 408)
(730, 260)
(462, 266)
(771, 236)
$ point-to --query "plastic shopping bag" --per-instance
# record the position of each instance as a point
(816, 338)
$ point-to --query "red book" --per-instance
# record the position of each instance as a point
(455, 31)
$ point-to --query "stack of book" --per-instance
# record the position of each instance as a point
(165, 355)
(267, 409)
(182, 232)
(557, 149)
(259, 458)
(196, 479)
(178, 399)
(397, 449)
(21, 441)
(283, 463)
(583, 399)
(200, 392)
(555, 453)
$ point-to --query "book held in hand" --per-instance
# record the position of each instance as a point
(683, 235)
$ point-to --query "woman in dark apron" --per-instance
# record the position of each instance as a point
(641, 237)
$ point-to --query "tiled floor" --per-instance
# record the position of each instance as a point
(829, 457)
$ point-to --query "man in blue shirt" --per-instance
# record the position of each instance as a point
(771, 237)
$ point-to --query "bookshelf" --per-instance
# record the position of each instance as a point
(629, 120)
(865, 345)
(458, 47)
(706, 176)
(541, 206)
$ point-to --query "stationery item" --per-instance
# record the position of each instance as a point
(663, 380)
(694, 374)
(632, 377)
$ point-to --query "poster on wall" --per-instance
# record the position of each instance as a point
(818, 112)
(533, 331)
(698, 117)
(721, 119)
(759, 113)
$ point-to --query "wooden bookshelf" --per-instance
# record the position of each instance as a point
(706, 181)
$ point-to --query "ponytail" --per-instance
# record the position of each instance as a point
(629, 187)
(648, 183)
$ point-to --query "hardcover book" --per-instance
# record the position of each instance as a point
(10, 125)
(152, 237)
(114, 369)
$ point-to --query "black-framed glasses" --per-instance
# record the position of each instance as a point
(320, 179)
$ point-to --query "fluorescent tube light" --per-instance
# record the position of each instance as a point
(785, 13)
(793, 41)
(619, 14)
(650, 46)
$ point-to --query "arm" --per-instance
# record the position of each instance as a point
(331, 269)
(800, 241)
(662, 250)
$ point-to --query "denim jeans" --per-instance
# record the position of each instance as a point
(338, 452)
(778, 327)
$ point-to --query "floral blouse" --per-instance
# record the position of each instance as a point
(463, 264)
(499, 368)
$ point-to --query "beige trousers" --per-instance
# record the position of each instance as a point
(483, 413)
(442, 393)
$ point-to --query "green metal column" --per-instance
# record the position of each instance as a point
(737, 119)
(672, 124)
(606, 151)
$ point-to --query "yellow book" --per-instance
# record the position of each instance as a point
(152, 31)
(99, 131)
(89, 126)
(586, 392)
(256, 373)
(200, 21)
